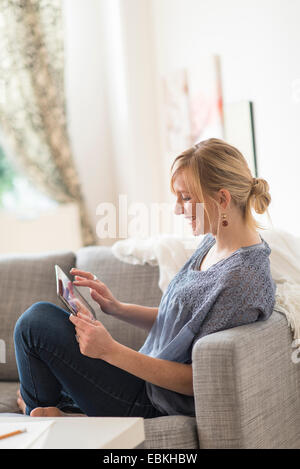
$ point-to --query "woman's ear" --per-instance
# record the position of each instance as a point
(224, 198)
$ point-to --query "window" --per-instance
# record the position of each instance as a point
(7, 176)
(17, 195)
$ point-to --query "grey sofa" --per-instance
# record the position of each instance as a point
(246, 386)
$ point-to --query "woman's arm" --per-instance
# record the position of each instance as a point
(96, 342)
(141, 316)
(170, 375)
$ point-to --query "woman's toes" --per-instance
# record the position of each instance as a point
(38, 412)
(21, 404)
(46, 412)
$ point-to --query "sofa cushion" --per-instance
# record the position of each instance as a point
(171, 432)
(8, 396)
(25, 279)
(129, 283)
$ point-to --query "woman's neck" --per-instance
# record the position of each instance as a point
(233, 236)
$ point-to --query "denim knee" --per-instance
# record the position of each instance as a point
(39, 317)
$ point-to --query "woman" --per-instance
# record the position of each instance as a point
(71, 363)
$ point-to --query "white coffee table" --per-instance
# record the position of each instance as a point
(87, 432)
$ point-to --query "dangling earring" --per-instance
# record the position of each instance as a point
(224, 221)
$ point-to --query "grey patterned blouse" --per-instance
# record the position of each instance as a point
(234, 291)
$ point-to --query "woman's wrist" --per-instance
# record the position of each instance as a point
(118, 309)
(110, 355)
(140, 316)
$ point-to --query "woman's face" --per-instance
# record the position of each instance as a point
(191, 209)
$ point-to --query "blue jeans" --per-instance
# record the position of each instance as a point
(53, 372)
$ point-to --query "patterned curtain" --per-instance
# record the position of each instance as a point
(32, 103)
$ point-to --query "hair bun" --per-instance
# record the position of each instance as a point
(260, 192)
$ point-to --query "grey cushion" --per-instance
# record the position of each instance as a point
(25, 279)
(137, 284)
(247, 388)
(8, 397)
(172, 432)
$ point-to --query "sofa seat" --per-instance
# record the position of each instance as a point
(175, 431)
(8, 396)
(171, 432)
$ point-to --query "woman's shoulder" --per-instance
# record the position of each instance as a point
(248, 282)
(254, 258)
(251, 267)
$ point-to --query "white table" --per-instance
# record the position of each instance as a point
(87, 432)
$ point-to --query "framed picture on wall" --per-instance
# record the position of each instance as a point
(193, 104)
(239, 130)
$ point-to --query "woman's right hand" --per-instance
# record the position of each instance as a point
(98, 290)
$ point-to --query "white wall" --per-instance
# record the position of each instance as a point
(130, 86)
(55, 229)
(258, 41)
(117, 52)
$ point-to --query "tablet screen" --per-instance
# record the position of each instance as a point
(68, 292)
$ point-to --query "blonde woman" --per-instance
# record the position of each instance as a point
(71, 363)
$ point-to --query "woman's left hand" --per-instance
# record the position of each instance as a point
(93, 338)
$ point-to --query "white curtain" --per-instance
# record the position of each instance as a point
(110, 64)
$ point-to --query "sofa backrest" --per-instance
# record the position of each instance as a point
(24, 280)
(137, 284)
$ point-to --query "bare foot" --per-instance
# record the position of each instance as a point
(52, 412)
(21, 403)
(47, 412)
(44, 411)
(38, 411)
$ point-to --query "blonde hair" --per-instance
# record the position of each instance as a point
(214, 164)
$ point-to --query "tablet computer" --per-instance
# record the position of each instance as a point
(67, 292)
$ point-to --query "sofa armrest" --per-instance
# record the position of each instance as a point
(246, 387)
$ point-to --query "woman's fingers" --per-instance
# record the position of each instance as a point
(94, 284)
(86, 318)
(79, 278)
(96, 296)
(81, 308)
(82, 273)
(79, 323)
